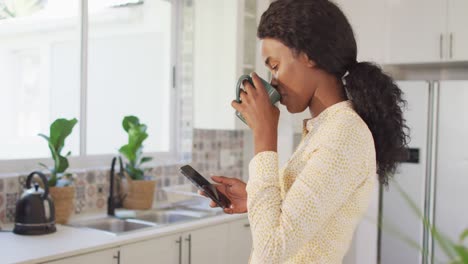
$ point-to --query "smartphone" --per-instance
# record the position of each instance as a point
(204, 185)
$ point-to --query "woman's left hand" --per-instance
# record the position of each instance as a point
(261, 116)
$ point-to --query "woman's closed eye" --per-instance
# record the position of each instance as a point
(274, 68)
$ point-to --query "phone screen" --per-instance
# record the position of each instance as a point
(203, 184)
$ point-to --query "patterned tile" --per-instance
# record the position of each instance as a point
(2, 208)
(12, 185)
(102, 176)
(101, 203)
(100, 189)
(3, 218)
(22, 181)
(91, 177)
(11, 199)
(79, 206)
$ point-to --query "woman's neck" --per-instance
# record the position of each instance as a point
(328, 92)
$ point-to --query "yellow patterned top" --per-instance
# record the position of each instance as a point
(307, 211)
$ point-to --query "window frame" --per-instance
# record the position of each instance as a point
(82, 161)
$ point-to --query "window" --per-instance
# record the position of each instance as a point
(39, 83)
(129, 54)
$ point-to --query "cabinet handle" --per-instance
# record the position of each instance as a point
(179, 241)
(451, 45)
(246, 225)
(117, 257)
(189, 240)
(441, 44)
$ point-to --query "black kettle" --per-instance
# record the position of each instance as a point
(35, 210)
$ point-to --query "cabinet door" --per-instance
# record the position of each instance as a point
(215, 63)
(165, 250)
(206, 245)
(370, 37)
(451, 179)
(457, 33)
(417, 31)
(239, 241)
(109, 256)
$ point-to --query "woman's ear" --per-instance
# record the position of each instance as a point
(305, 59)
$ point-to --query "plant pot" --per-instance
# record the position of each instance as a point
(63, 201)
(140, 195)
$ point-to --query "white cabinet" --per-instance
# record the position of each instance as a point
(109, 256)
(222, 243)
(239, 242)
(206, 245)
(225, 46)
(424, 31)
(416, 30)
(368, 21)
(160, 250)
(457, 33)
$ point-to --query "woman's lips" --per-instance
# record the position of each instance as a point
(282, 97)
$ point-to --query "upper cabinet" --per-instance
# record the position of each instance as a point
(368, 21)
(457, 31)
(225, 47)
(427, 31)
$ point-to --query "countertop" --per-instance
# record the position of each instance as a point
(69, 241)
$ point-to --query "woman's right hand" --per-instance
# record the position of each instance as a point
(234, 190)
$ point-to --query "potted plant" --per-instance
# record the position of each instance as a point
(140, 188)
(59, 180)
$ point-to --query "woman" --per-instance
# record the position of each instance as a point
(307, 211)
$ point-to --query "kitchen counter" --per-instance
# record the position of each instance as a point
(69, 241)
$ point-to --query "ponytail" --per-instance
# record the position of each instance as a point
(378, 101)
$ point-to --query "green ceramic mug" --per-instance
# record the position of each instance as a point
(272, 93)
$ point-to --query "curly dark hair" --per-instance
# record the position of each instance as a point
(320, 29)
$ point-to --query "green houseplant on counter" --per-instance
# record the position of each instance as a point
(140, 191)
(60, 182)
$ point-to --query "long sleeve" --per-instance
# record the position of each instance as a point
(331, 174)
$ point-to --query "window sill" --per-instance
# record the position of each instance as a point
(12, 168)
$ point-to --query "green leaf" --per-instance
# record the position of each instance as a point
(462, 252)
(59, 131)
(127, 152)
(443, 242)
(44, 136)
(43, 165)
(133, 150)
(146, 159)
(135, 173)
(53, 180)
(130, 120)
(463, 236)
(63, 165)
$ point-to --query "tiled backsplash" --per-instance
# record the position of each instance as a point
(214, 152)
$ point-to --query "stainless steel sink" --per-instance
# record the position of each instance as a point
(114, 225)
(131, 220)
(170, 216)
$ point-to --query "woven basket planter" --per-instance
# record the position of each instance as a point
(140, 194)
(63, 201)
